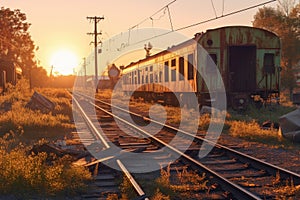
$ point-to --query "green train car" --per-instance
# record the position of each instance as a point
(248, 60)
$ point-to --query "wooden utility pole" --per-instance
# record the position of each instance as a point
(95, 33)
(84, 66)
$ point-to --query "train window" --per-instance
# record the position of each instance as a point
(214, 57)
(166, 71)
(151, 74)
(269, 66)
(160, 76)
(173, 74)
(181, 68)
(156, 77)
(139, 77)
(190, 66)
(173, 62)
(146, 78)
(135, 78)
(151, 78)
(132, 78)
(173, 69)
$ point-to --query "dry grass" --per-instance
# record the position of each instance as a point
(181, 185)
(159, 196)
(127, 189)
(252, 131)
(287, 192)
(21, 117)
(34, 123)
(104, 94)
(184, 184)
(25, 174)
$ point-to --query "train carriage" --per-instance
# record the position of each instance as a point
(247, 58)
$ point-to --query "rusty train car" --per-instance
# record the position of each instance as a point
(248, 60)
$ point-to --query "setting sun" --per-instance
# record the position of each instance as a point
(63, 62)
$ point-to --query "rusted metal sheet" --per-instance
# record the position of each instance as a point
(40, 102)
(239, 35)
(290, 125)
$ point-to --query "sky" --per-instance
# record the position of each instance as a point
(62, 26)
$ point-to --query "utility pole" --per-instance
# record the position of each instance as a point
(84, 65)
(95, 33)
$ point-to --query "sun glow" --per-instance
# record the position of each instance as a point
(64, 62)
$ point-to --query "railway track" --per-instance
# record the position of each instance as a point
(107, 180)
(239, 176)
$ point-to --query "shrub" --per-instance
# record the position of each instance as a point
(25, 175)
(253, 131)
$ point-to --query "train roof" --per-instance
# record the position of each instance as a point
(172, 48)
(242, 27)
(197, 37)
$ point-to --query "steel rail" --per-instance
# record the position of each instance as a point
(136, 186)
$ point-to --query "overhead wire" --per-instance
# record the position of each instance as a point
(206, 21)
(212, 3)
(170, 18)
(146, 19)
(164, 8)
(223, 2)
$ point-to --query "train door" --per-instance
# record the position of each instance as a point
(242, 68)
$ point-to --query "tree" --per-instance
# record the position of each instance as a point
(38, 74)
(16, 44)
(284, 21)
